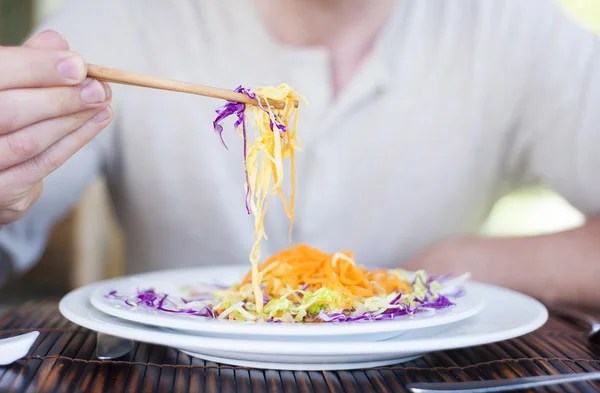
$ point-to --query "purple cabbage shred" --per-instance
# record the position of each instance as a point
(232, 108)
(149, 298)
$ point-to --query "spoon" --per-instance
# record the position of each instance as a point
(14, 348)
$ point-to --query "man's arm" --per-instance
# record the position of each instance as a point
(557, 268)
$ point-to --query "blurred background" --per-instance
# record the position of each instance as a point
(87, 245)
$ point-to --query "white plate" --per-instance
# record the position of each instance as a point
(168, 282)
(508, 314)
(269, 365)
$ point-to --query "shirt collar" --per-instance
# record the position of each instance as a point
(378, 66)
(307, 69)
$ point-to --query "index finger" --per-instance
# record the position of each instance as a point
(22, 67)
(47, 39)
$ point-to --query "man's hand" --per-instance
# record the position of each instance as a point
(48, 111)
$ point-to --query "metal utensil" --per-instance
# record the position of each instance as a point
(579, 316)
(499, 385)
(111, 347)
(14, 348)
(504, 385)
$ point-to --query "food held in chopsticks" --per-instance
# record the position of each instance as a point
(264, 153)
(306, 285)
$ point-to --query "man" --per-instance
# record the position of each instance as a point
(422, 114)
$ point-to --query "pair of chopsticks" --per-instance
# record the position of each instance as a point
(113, 75)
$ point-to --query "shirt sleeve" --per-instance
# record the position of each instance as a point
(95, 29)
(557, 138)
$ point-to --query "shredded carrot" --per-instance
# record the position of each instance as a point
(301, 265)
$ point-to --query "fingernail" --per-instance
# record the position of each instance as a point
(93, 93)
(72, 68)
(102, 116)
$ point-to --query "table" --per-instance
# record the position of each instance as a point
(62, 360)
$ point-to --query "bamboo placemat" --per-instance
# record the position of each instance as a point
(63, 360)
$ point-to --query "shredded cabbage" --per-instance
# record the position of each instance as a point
(429, 294)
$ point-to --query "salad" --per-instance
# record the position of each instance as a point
(306, 285)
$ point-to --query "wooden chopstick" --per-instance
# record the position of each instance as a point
(113, 75)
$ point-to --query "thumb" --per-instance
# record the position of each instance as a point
(47, 39)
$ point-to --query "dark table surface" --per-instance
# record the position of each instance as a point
(63, 360)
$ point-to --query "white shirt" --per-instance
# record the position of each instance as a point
(460, 102)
